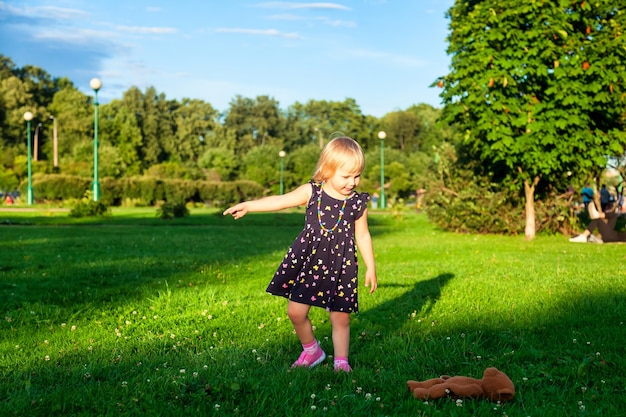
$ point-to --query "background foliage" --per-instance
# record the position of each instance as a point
(538, 91)
(534, 106)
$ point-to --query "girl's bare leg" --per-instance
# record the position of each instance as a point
(299, 315)
(341, 333)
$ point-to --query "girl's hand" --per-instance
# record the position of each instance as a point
(371, 280)
(237, 211)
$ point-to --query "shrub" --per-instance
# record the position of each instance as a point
(89, 208)
(170, 210)
(59, 187)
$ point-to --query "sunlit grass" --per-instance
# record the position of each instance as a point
(133, 315)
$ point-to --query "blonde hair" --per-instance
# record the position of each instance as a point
(341, 152)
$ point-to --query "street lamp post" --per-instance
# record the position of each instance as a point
(28, 116)
(95, 84)
(55, 145)
(282, 154)
(36, 143)
(382, 135)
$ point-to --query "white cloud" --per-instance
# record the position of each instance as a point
(148, 30)
(261, 32)
(337, 22)
(75, 36)
(48, 12)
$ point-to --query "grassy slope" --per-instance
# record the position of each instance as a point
(133, 315)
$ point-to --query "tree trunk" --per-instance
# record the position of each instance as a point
(529, 193)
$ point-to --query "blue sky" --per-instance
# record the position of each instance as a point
(382, 53)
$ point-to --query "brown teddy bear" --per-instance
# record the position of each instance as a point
(494, 385)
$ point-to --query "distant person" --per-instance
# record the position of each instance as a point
(587, 193)
(605, 223)
(420, 199)
(320, 269)
(9, 199)
(605, 198)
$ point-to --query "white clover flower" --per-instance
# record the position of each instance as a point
(313, 407)
(368, 396)
(47, 357)
(182, 371)
(312, 396)
(73, 328)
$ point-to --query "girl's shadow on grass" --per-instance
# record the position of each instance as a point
(418, 301)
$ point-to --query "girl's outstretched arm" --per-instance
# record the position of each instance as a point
(364, 244)
(297, 197)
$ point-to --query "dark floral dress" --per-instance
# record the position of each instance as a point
(320, 268)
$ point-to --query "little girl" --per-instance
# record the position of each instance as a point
(320, 268)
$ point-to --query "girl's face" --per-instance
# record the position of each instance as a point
(343, 182)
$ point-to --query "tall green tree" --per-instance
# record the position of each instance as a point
(256, 122)
(537, 88)
(403, 130)
(74, 114)
(156, 124)
(193, 119)
(120, 130)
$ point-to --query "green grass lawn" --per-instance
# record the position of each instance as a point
(133, 315)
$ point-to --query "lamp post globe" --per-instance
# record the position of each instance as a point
(282, 155)
(28, 116)
(382, 135)
(95, 84)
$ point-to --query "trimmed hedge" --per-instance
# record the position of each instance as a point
(147, 190)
